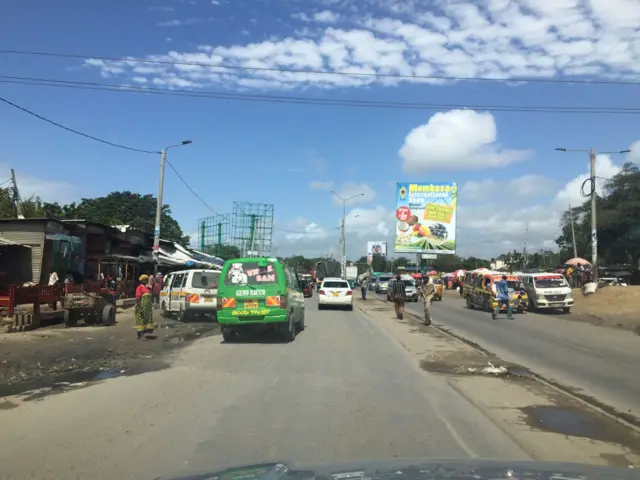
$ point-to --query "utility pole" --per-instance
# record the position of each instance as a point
(524, 250)
(343, 244)
(573, 233)
(17, 201)
(156, 230)
(593, 194)
(594, 228)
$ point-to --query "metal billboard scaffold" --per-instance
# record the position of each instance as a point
(252, 228)
(214, 233)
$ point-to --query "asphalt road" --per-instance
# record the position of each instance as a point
(343, 391)
(600, 362)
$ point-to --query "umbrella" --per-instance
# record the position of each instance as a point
(576, 261)
(432, 272)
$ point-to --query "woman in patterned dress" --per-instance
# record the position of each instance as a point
(144, 310)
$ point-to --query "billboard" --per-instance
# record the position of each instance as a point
(379, 247)
(426, 218)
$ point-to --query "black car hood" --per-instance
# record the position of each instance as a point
(418, 469)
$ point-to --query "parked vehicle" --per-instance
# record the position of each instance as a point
(335, 292)
(189, 292)
(259, 294)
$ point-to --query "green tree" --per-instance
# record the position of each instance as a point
(6, 203)
(126, 208)
(618, 212)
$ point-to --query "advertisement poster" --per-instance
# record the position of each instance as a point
(426, 218)
(376, 248)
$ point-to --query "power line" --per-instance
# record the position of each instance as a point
(319, 72)
(91, 137)
(195, 194)
(122, 88)
(184, 182)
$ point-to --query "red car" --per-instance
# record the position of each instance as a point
(307, 289)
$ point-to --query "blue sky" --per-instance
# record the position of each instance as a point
(291, 155)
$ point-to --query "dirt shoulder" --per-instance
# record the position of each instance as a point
(546, 424)
(43, 358)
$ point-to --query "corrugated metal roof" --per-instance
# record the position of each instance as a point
(6, 241)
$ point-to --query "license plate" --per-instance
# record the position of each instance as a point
(208, 299)
(335, 294)
(251, 304)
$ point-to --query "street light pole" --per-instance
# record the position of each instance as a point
(593, 194)
(343, 242)
(156, 230)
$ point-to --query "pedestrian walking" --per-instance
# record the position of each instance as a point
(363, 289)
(428, 291)
(399, 297)
(143, 309)
(156, 289)
(502, 288)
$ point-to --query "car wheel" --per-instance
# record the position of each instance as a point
(228, 335)
(469, 304)
(301, 324)
(320, 306)
(290, 333)
(566, 310)
(165, 312)
(350, 307)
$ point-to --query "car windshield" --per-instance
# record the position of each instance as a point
(409, 283)
(205, 280)
(335, 284)
(550, 282)
(384, 279)
(515, 285)
(251, 273)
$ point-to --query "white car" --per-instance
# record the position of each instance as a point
(335, 292)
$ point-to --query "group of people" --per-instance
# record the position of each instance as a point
(577, 275)
(426, 289)
(147, 297)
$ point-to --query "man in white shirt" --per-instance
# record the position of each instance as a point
(53, 277)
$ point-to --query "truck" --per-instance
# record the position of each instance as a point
(352, 273)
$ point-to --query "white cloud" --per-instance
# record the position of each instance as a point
(321, 185)
(161, 8)
(525, 187)
(49, 190)
(493, 38)
(507, 217)
(326, 16)
(457, 139)
(185, 22)
(303, 236)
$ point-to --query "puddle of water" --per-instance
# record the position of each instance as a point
(578, 422)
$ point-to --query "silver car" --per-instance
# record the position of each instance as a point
(409, 287)
(382, 284)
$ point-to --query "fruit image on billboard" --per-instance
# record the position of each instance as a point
(426, 218)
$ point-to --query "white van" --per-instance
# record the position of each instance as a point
(189, 292)
(547, 290)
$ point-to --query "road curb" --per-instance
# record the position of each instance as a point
(628, 420)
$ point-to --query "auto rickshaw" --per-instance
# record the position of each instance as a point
(439, 286)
